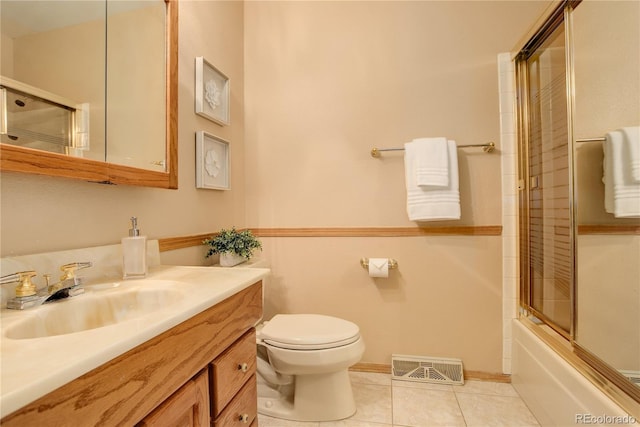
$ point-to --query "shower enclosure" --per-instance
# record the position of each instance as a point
(548, 271)
(577, 79)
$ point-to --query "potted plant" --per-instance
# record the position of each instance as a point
(233, 246)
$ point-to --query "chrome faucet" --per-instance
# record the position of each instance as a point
(28, 296)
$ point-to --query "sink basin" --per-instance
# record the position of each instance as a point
(93, 310)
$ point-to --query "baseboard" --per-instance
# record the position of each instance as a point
(376, 368)
(381, 368)
(487, 376)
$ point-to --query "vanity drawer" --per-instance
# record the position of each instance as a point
(243, 409)
(232, 369)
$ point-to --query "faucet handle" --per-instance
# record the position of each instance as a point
(69, 270)
(25, 288)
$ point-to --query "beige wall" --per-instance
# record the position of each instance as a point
(326, 82)
(42, 214)
(6, 55)
(444, 300)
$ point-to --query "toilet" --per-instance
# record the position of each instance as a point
(302, 368)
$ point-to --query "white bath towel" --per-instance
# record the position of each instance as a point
(621, 193)
(632, 142)
(431, 159)
(433, 203)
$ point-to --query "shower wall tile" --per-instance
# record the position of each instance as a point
(508, 141)
(509, 184)
(506, 365)
(509, 310)
(509, 163)
(506, 122)
(507, 99)
(508, 150)
(507, 327)
(509, 226)
(509, 248)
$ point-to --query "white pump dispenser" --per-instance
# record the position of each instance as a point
(134, 253)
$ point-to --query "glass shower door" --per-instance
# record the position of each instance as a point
(550, 249)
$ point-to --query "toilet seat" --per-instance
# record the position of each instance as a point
(308, 332)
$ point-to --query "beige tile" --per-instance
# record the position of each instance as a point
(423, 385)
(370, 378)
(486, 387)
(424, 407)
(373, 403)
(352, 423)
(265, 421)
(484, 410)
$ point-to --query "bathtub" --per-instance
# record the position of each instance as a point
(556, 392)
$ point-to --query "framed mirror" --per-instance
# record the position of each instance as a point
(86, 94)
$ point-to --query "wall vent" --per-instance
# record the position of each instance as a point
(634, 376)
(426, 369)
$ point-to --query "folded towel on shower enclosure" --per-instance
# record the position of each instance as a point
(428, 203)
(621, 192)
(431, 160)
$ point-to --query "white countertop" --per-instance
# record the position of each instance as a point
(31, 368)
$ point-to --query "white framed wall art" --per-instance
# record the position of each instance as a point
(212, 92)
(212, 162)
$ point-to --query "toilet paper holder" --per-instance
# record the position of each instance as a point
(364, 262)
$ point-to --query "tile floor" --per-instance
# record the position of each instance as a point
(382, 402)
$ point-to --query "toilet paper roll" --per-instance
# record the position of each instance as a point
(378, 267)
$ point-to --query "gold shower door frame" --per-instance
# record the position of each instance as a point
(547, 249)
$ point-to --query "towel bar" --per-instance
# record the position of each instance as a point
(598, 139)
(487, 148)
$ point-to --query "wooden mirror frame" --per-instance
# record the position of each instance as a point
(27, 160)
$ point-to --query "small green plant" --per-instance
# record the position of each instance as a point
(242, 243)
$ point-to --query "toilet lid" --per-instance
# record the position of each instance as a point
(308, 331)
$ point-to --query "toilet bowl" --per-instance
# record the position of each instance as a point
(303, 362)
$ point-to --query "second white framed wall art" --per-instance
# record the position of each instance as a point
(212, 162)
(212, 92)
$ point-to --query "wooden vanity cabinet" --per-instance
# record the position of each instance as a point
(225, 393)
(189, 406)
(233, 384)
(242, 410)
(192, 374)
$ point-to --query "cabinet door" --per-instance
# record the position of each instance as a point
(187, 407)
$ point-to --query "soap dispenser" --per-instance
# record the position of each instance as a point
(134, 253)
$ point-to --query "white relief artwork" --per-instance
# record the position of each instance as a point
(212, 163)
(212, 94)
(212, 160)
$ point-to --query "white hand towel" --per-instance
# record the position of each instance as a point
(632, 143)
(431, 158)
(433, 203)
(621, 194)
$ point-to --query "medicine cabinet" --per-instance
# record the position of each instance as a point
(89, 90)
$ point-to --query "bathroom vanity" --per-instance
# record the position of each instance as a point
(189, 362)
